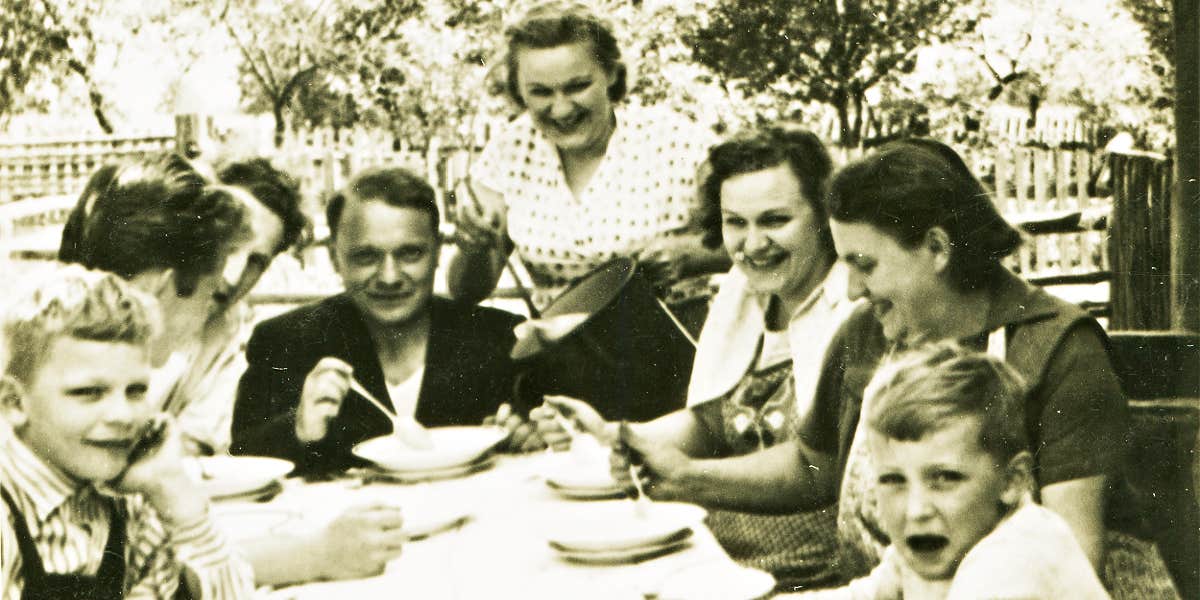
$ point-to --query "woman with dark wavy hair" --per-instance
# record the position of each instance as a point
(155, 223)
(924, 244)
(735, 449)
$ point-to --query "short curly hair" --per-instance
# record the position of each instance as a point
(275, 189)
(154, 213)
(919, 392)
(72, 301)
(761, 149)
(554, 24)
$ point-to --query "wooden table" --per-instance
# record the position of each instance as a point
(501, 552)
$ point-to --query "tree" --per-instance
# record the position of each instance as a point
(1046, 54)
(44, 38)
(1156, 20)
(826, 51)
(402, 65)
(285, 47)
(418, 70)
(662, 69)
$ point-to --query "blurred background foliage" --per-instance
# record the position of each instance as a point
(424, 68)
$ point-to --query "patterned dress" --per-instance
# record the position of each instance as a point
(799, 549)
(644, 189)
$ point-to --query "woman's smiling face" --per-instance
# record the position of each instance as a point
(770, 230)
(566, 93)
(902, 284)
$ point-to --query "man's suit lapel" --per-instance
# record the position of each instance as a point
(435, 392)
(361, 354)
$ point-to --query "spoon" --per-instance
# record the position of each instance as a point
(567, 425)
(407, 429)
(641, 502)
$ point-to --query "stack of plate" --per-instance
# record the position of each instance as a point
(239, 477)
(584, 482)
(455, 451)
(619, 532)
(716, 580)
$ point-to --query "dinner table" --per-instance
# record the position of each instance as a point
(484, 534)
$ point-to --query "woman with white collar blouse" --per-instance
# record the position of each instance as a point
(756, 363)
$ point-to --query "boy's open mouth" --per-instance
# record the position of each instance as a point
(926, 543)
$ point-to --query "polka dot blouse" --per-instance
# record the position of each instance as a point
(644, 188)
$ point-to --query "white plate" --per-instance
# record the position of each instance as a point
(584, 480)
(575, 475)
(221, 476)
(616, 525)
(618, 557)
(716, 581)
(385, 475)
(261, 494)
(424, 520)
(452, 447)
(585, 493)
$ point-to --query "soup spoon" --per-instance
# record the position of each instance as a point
(407, 429)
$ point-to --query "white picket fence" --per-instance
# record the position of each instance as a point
(40, 178)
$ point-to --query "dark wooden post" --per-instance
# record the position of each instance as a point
(1185, 225)
(1139, 247)
(193, 134)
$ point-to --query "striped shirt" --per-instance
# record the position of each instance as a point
(69, 523)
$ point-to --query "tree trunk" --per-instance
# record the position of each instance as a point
(97, 101)
(95, 97)
(1185, 203)
(857, 102)
(301, 77)
(840, 103)
(277, 111)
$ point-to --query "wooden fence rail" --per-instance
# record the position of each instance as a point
(1051, 193)
(1052, 129)
(324, 160)
(32, 169)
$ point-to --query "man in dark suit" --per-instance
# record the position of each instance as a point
(439, 362)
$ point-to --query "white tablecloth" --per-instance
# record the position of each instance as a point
(502, 552)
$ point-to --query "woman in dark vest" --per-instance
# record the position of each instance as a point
(924, 243)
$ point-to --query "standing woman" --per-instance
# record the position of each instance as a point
(924, 244)
(577, 180)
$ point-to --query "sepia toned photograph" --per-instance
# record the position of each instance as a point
(599, 299)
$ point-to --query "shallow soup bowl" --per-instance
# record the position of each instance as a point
(618, 525)
(451, 447)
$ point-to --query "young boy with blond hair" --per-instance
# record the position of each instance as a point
(954, 487)
(95, 499)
